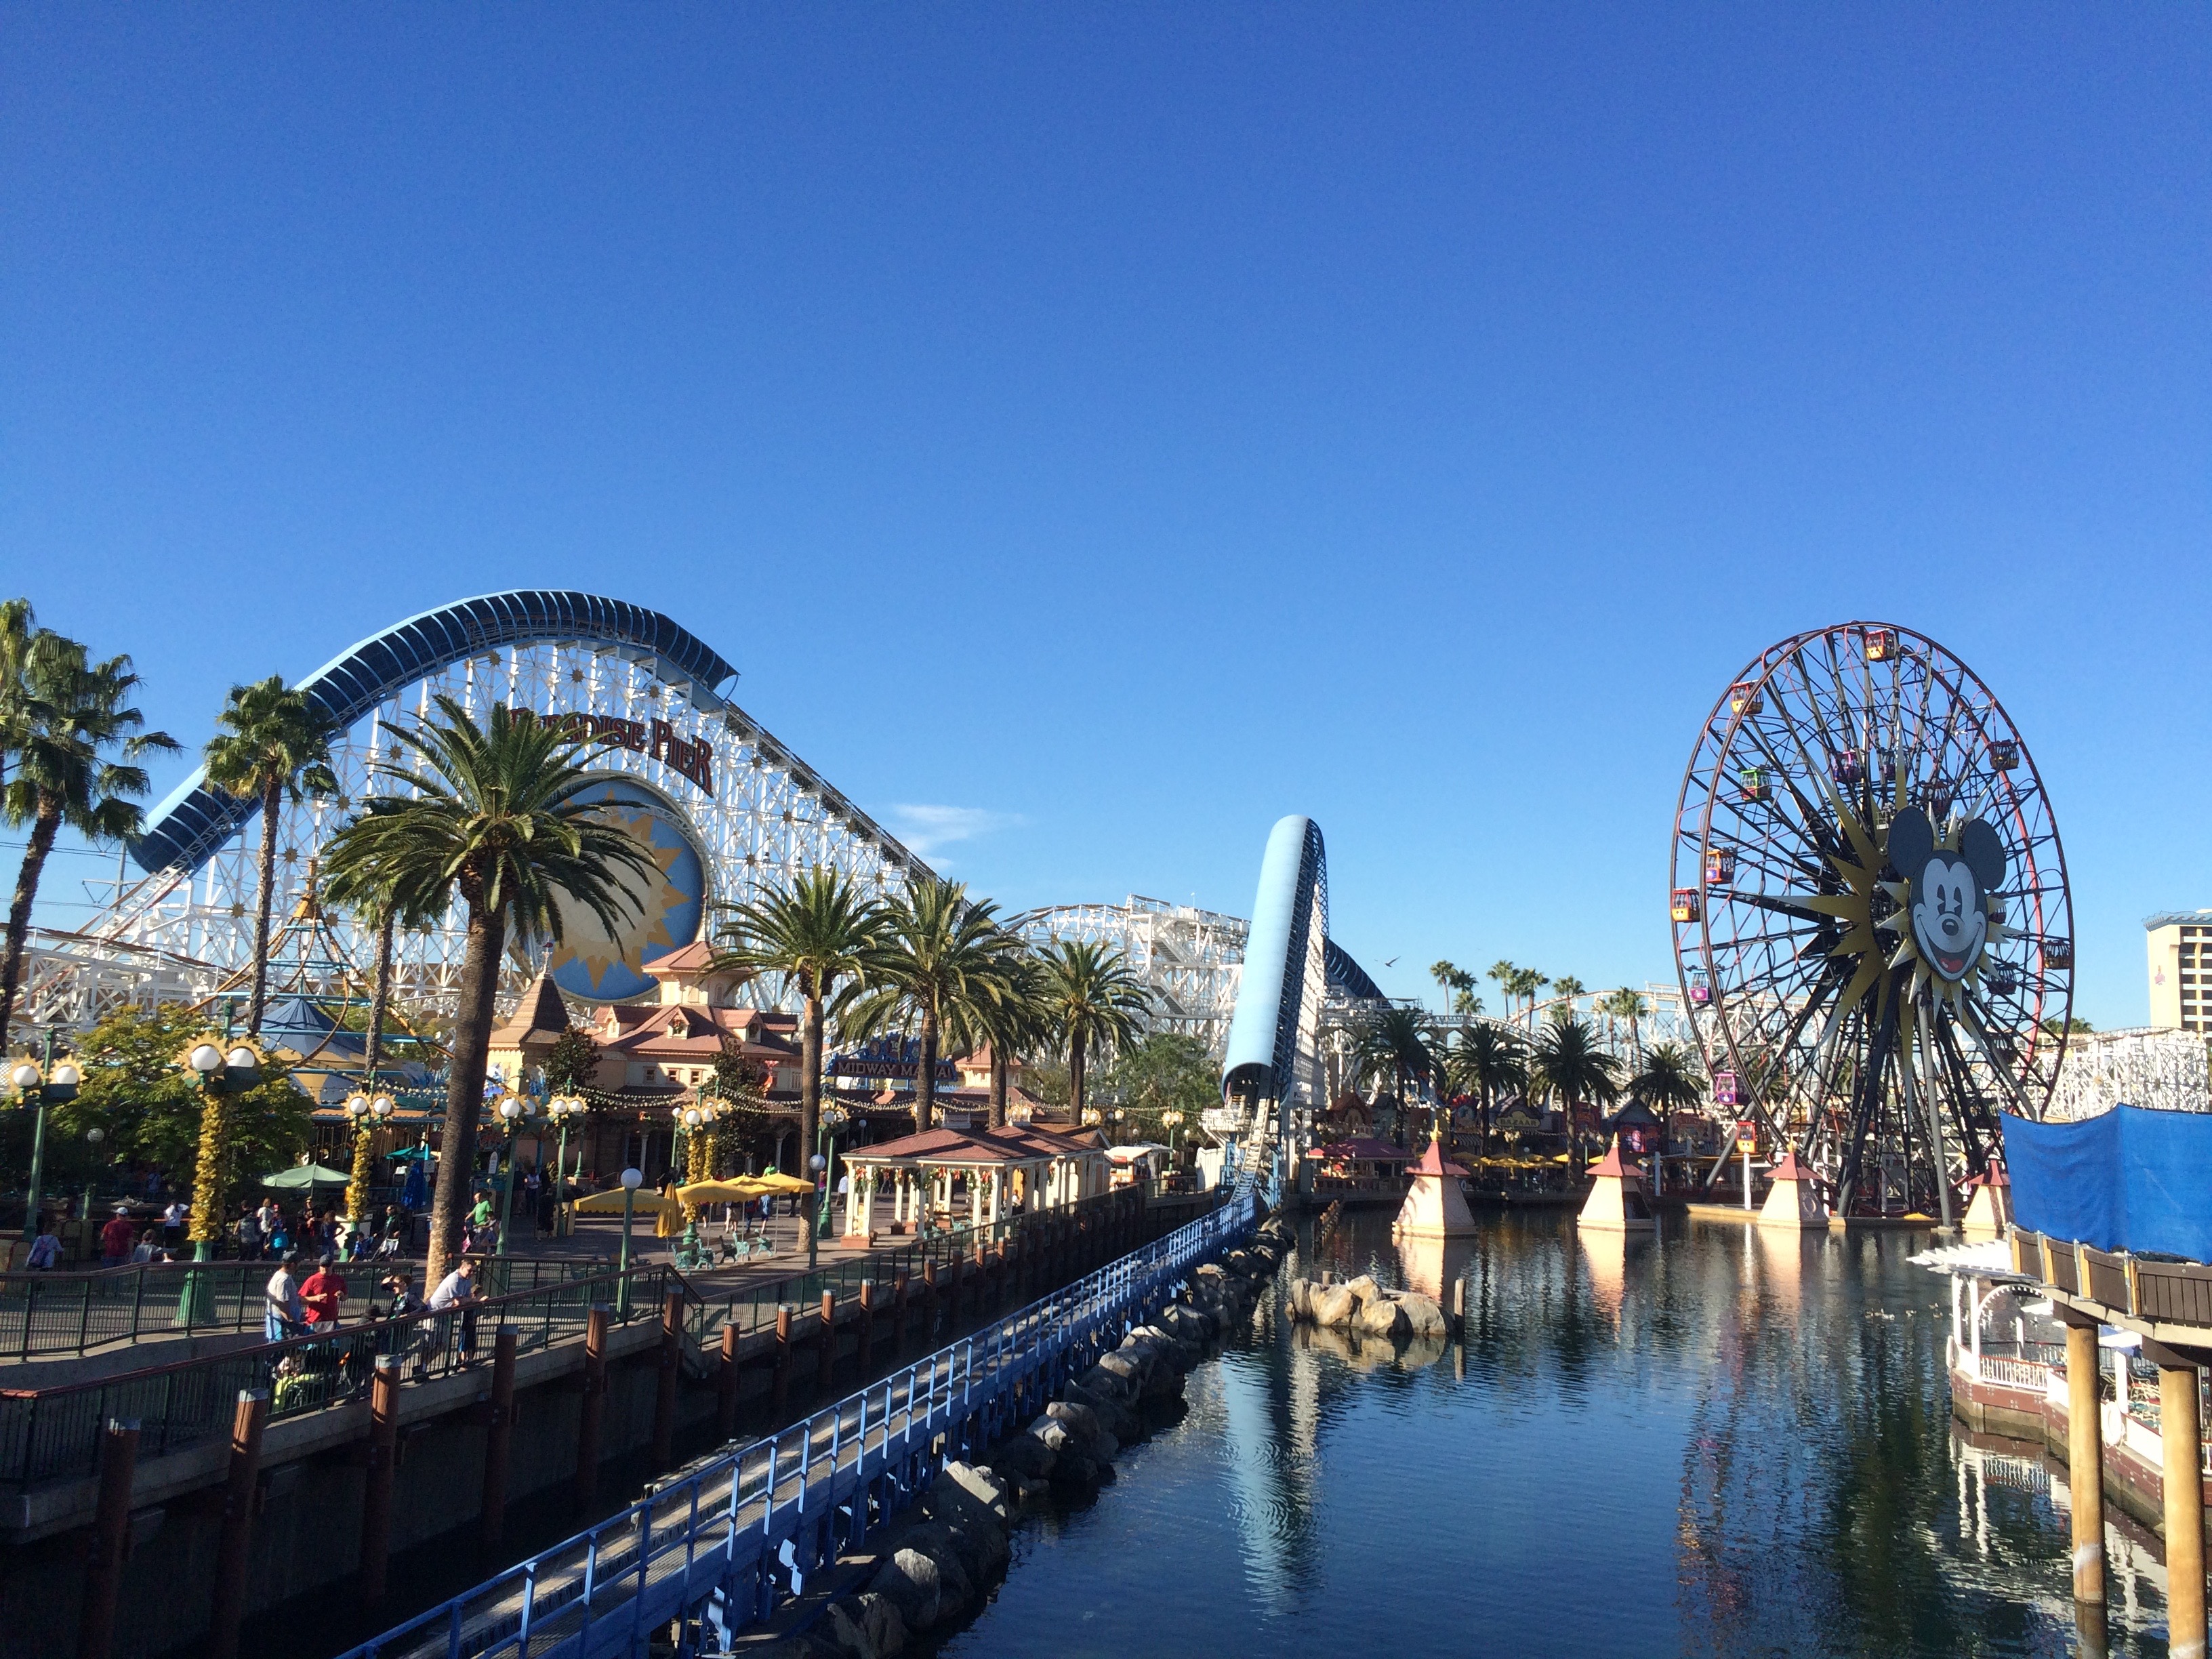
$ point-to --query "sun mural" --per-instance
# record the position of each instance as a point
(598, 966)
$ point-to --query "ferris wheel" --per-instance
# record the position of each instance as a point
(1872, 926)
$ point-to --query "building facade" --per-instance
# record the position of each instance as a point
(2181, 970)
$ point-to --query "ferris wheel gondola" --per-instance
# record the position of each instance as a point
(1871, 920)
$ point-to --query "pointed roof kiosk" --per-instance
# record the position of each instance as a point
(1616, 1203)
(1793, 1200)
(1435, 1207)
(1990, 1213)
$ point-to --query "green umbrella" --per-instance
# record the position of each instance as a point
(301, 1176)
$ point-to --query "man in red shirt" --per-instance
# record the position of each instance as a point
(324, 1294)
(116, 1239)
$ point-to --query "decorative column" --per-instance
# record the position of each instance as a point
(2085, 1454)
(2180, 1435)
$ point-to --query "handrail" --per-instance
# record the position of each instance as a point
(54, 1432)
(681, 1542)
(46, 1315)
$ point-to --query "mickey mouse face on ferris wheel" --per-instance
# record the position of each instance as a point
(1946, 892)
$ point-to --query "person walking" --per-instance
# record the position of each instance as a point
(172, 1224)
(249, 1236)
(283, 1314)
(324, 1295)
(45, 1251)
(116, 1238)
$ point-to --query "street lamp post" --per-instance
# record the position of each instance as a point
(43, 1086)
(833, 1120)
(514, 1111)
(219, 1073)
(369, 1114)
(564, 1109)
(632, 1179)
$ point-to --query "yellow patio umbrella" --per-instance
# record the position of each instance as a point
(643, 1202)
(773, 1183)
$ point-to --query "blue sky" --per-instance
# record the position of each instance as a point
(1097, 431)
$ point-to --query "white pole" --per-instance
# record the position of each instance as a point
(1746, 1173)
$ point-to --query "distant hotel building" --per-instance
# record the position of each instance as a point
(2180, 943)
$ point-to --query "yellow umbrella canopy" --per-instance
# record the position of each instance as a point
(645, 1202)
(737, 1189)
(773, 1183)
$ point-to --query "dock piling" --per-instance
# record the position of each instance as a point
(111, 1538)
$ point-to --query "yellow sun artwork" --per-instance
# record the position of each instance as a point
(590, 960)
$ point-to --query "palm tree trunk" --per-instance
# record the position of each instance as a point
(1075, 1078)
(43, 827)
(925, 1073)
(380, 1000)
(1002, 1073)
(272, 798)
(464, 1081)
(810, 1072)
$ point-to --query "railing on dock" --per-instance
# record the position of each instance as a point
(730, 1539)
(51, 1315)
(48, 1434)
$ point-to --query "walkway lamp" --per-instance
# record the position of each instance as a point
(41, 1087)
(632, 1179)
(829, 1126)
(368, 1114)
(514, 1112)
(564, 1109)
(221, 1072)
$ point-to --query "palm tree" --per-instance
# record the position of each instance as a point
(1568, 988)
(825, 936)
(370, 894)
(941, 957)
(1668, 1080)
(1399, 1043)
(1016, 1021)
(1509, 981)
(1486, 1061)
(275, 742)
(495, 815)
(1628, 1005)
(1567, 1064)
(74, 739)
(1095, 1000)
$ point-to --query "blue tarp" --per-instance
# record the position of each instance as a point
(2127, 1180)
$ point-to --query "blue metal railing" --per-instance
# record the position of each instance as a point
(729, 1540)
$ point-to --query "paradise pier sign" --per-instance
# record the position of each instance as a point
(655, 738)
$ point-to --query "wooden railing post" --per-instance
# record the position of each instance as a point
(594, 1405)
(826, 1363)
(111, 1537)
(863, 1356)
(780, 1401)
(491, 1514)
(726, 1384)
(928, 1299)
(231, 1549)
(376, 1495)
(670, 1360)
(902, 1288)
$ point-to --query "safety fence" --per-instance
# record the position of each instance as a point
(46, 1316)
(752, 1307)
(48, 1434)
(717, 1548)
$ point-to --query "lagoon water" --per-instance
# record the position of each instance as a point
(1713, 1441)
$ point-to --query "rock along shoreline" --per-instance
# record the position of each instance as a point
(936, 1565)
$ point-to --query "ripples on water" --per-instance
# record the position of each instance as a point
(1714, 1443)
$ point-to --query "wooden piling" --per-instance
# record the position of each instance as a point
(499, 1434)
(593, 1414)
(111, 1539)
(726, 1384)
(780, 1401)
(232, 1549)
(376, 1494)
(863, 1356)
(668, 1363)
(2085, 1455)
(902, 1289)
(2179, 1425)
(825, 1364)
(928, 1299)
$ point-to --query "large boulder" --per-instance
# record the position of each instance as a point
(910, 1582)
(1054, 1436)
(980, 1488)
(1380, 1318)
(1425, 1315)
(1022, 1456)
(1127, 1365)
(1333, 1306)
(1363, 1289)
(866, 1627)
(955, 1557)
(1297, 1297)
(1081, 1421)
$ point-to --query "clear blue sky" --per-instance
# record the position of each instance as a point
(1114, 427)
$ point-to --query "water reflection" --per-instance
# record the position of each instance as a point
(1725, 1441)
